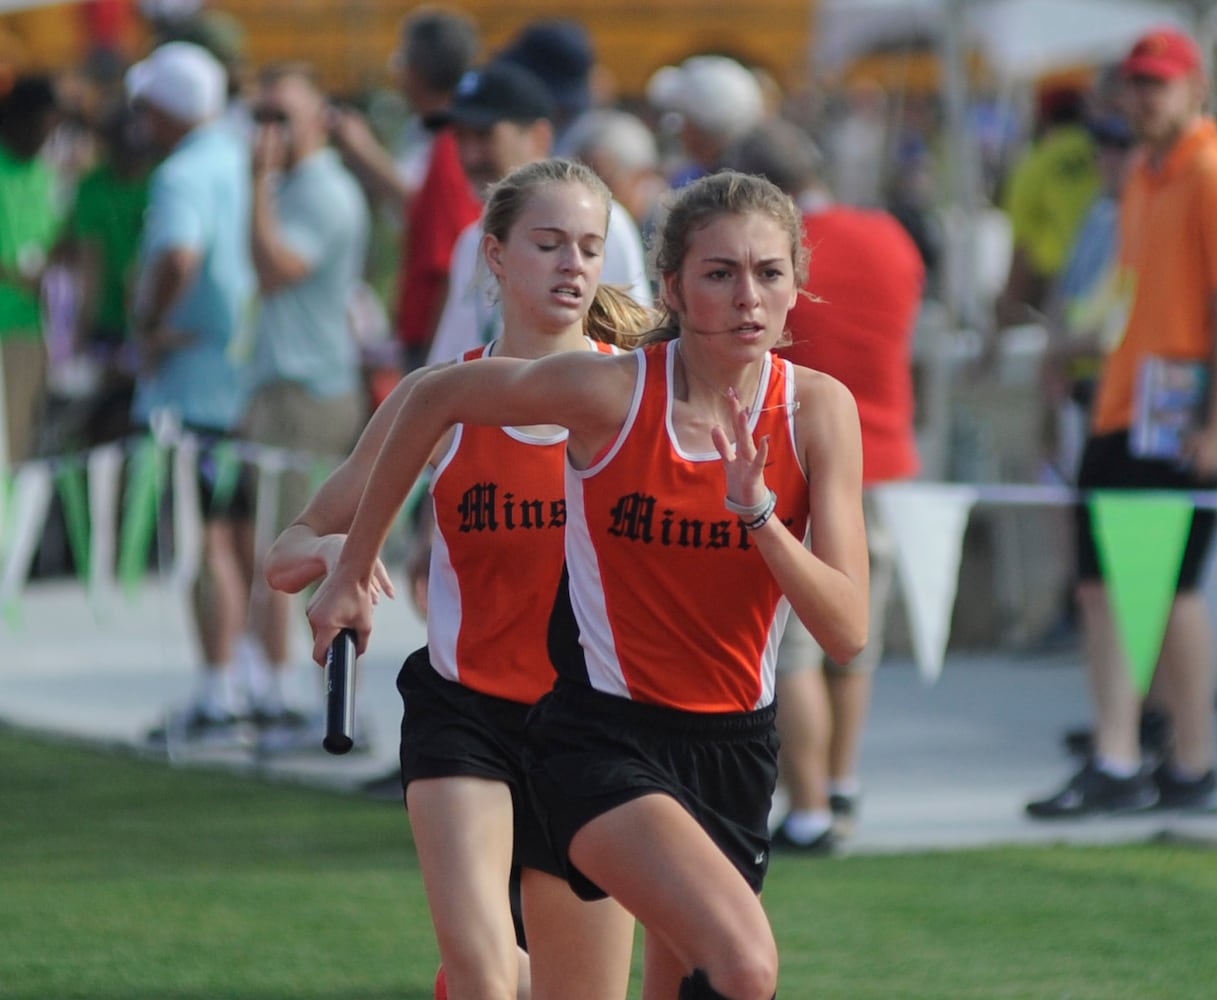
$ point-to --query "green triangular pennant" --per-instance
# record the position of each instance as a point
(140, 507)
(227, 474)
(70, 481)
(1140, 539)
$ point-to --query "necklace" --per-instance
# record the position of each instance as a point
(690, 370)
(726, 393)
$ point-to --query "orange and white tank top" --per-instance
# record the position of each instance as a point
(496, 556)
(675, 606)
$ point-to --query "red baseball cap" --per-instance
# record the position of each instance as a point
(1165, 54)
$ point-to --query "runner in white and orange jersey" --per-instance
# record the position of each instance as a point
(701, 649)
(496, 555)
(653, 759)
(496, 563)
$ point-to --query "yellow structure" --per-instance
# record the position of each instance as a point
(350, 40)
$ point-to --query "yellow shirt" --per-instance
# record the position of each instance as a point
(1051, 189)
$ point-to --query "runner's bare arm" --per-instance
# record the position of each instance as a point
(589, 393)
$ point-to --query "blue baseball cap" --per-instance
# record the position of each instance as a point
(500, 92)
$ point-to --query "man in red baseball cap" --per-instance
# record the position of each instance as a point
(1168, 276)
(1163, 55)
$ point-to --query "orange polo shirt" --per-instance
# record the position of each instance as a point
(1167, 268)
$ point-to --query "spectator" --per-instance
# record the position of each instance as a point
(437, 46)
(426, 187)
(193, 293)
(858, 145)
(865, 283)
(309, 237)
(104, 230)
(502, 114)
(560, 53)
(621, 149)
(1168, 269)
(1085, 318)
(1047, 194)
(30, 223)
(1079, 306)
(716, 101)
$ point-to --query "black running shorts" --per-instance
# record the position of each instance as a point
(589, 752)
(1106, 464)
(449, 730)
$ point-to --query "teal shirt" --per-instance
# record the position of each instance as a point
(200, 200)
(30, 222)
(303, 332)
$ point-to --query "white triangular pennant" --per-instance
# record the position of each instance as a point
(926, 522)
(187, 514)
(31, 501)
(105, 467)
(272, 464)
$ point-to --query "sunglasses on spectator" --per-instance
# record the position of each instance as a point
(270, 116)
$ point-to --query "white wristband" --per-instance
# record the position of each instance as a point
(756, 514)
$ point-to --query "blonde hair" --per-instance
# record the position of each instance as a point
(694, 207)
(613, 317)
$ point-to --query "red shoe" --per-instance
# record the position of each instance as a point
(441, 985)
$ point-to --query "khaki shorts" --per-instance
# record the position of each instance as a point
(25, 373)
(287, 415)
(798, 650)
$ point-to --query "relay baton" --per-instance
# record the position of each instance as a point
(340, 694)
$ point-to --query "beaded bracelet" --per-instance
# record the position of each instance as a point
(757, 514)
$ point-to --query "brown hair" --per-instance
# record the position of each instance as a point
(694, 207)
(613, 317)
(293, 68)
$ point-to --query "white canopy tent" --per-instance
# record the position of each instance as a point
(1020, 39)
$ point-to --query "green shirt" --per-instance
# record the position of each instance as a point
(29, 226)
(109, 212)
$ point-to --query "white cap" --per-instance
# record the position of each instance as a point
(714, 93)
(183, 80)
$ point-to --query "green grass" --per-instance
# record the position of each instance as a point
(126, 878)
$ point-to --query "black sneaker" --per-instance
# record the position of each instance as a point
(1199, 794)
(198, 727)
(844, 813)
(1091, 791)
(1155, 736)
(824, 844)
(285, 730)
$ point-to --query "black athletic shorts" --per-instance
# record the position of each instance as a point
(449, 730)
(589, 752)
(1107, 464)
(221, 476)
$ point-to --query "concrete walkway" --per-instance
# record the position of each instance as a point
(944, 766)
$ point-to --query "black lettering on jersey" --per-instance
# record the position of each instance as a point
(632, 517)
(720, 534)
(690, 532)
(480, 511)
(530, 512)
(478, 508)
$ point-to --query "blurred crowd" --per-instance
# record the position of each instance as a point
(231, 246)
(78, 156)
